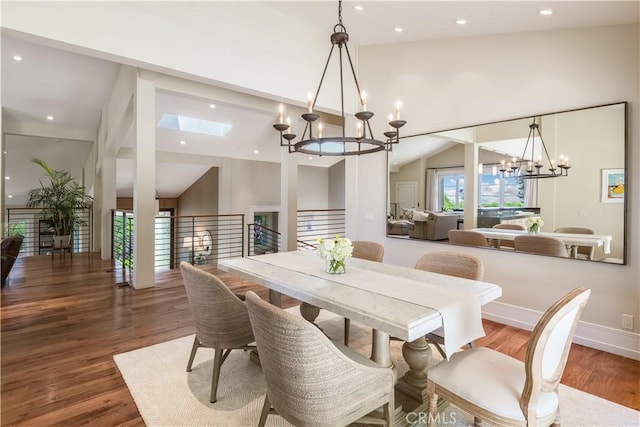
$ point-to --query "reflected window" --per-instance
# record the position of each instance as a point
(498, 192)
(451, 186)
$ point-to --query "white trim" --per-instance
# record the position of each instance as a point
(611, 340)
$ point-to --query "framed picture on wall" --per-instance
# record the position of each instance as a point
(612, 185)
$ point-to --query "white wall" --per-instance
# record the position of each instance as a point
(313, 187)
(451, 83)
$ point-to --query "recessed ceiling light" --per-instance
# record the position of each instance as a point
(183, 142)
(256, 151)
(358, 7)
(461, 21)
(7, 177)
(398, 30)
(545, 12)
(212, 106)
(17, 58)
(50, 118)
(310, 157)
(10, 196)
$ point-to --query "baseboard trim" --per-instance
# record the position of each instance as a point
(616, 341)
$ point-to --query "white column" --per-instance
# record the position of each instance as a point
(288, 218)
(107, 184)
(351, 202)
(144, 177)
(470, 185)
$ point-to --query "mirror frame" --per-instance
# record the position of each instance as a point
(626, 175)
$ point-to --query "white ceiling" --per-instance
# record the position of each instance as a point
(73, 88)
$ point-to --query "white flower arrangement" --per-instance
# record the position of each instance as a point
(534, 224)
(335, 252)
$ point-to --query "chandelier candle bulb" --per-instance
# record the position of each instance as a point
(358, 129)
(398, 105)
(309, 103)
(320, 130)
(289, 124)
(280, 113)
(363, 97)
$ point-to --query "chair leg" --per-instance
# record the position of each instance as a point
(196, 344)
(432, 402)
(265, 411)
(217, 363)
(347, 327)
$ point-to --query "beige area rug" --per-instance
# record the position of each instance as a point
(167, 395)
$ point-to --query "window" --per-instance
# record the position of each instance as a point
(451, 189)
(498, 192)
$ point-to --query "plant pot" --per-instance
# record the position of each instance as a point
(61, 242)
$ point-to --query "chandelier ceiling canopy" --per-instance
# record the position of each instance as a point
(313, 140)
(528, 168)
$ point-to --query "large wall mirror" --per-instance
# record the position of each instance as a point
(428, 179)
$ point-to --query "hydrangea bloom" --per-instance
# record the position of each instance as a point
(335, 251)
(534, 224)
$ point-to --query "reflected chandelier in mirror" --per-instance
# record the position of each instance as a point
(428, 179)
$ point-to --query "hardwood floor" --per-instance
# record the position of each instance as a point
(62, 323)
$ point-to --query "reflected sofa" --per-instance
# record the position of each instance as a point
(434, 225)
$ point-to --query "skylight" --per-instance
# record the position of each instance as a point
(191, 124)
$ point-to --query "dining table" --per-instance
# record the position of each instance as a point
(571, 240)
(395, 301)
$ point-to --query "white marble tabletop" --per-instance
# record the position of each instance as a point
(569, 239)
(400, 301)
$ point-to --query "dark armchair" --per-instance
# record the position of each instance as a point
(10, 250)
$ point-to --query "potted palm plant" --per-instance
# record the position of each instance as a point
(62, 200)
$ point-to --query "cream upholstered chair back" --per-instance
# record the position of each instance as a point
(585, 252)
(467, 237)
(509, 243)
(452, 263)
(541, 245)
(310, 382)
(371, 251)
(502, 390)
(222, 320)
(548, 348)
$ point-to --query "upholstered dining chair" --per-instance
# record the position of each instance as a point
(584, 252)
(222, 320)
(509, 243)
(310, 381)
(452, 264)
(363, 249)
(467, 237)
(541, 245)
(502, 390)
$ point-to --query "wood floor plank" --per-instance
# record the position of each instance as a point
(62, 323)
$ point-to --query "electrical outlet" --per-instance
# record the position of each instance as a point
(627, 321)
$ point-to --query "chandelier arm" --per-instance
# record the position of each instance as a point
(324, 72)
(353, 73)
(524, 152)
(545, 149)
(344, 122)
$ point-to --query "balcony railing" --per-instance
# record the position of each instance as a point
(320, 223)
(38, 238)
(196, 239)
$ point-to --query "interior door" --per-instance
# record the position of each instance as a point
(406, 195)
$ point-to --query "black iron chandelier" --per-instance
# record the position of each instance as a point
(528, 168)
(363, 142)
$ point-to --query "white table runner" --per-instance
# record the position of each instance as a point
(460, 311)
